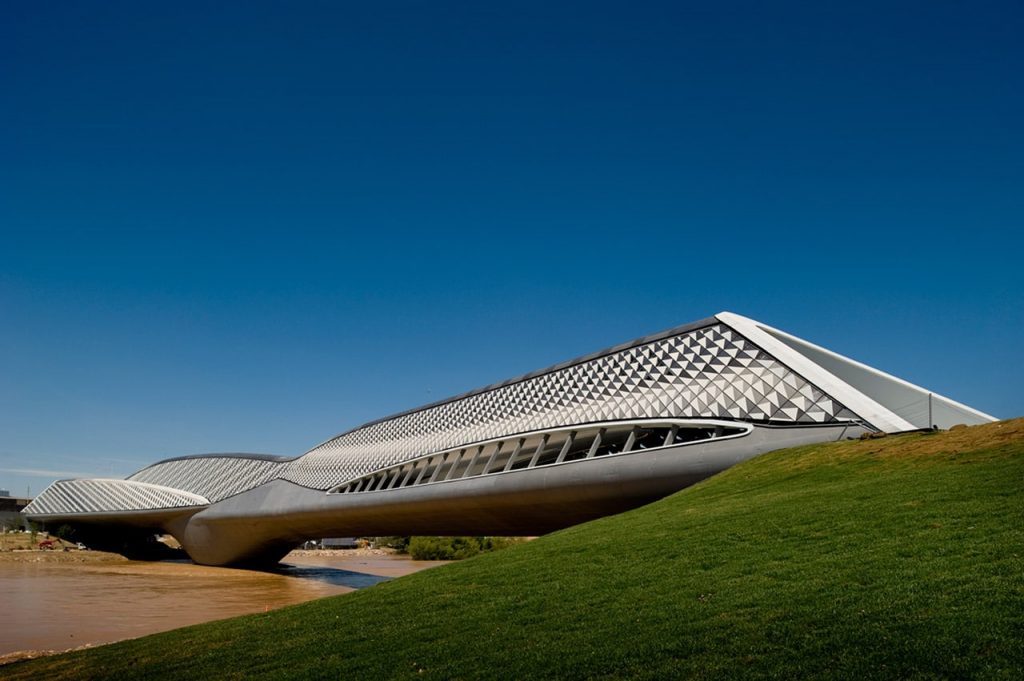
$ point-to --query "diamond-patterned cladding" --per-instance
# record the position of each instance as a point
(712, 372)
(214, 477)
(105, 496)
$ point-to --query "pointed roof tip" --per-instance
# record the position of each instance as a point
(865, 390)
(727, 316)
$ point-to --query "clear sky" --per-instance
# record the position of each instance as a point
(250, 226)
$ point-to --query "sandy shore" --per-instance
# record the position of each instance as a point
(341, 553)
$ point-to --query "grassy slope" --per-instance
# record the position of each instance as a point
(893, 557)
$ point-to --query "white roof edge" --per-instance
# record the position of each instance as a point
(856, 401)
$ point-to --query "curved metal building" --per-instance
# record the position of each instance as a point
(586, 438)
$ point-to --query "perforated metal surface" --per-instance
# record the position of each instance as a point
(711, 372)
(99, 496)
(214, 477)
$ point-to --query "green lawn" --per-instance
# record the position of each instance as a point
(896, 557)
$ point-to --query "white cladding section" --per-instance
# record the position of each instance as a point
(214, 477)
(108, 496)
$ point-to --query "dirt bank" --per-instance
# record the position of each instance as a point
(343, 553)
(23, 547)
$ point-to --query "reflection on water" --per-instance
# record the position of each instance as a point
(64, 605)
(332, 576)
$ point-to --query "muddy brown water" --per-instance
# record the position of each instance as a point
(58, 606)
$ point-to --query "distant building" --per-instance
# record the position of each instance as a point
(11, 517)
(586, 438)
(338, 543)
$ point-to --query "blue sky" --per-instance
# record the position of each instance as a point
(250, 226)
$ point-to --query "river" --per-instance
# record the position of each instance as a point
(62, 605)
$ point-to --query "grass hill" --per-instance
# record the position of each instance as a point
(895, 557)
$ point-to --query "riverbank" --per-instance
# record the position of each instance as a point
(69, 554)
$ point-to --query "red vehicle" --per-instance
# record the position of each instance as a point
(48, 544)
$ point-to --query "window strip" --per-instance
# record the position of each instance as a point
(494, 456)
(472, 462)
(426, 466)
(566, 447)
(455, 464)
(440, 465)
(540, 448)
(515, 454)
(630, 441)
(597, 443)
